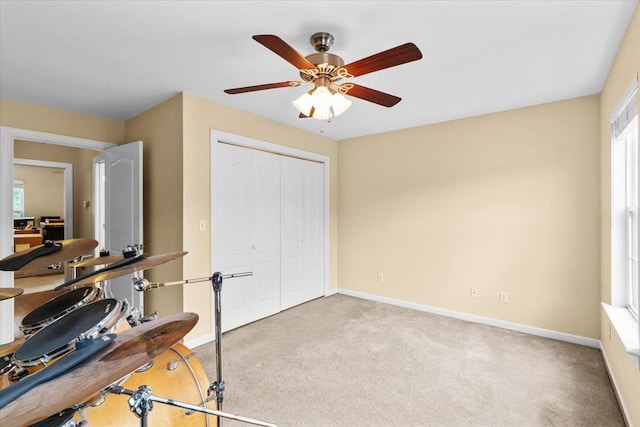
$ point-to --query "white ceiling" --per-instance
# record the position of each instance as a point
(118, 58)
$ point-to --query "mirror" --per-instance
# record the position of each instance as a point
(58, 196)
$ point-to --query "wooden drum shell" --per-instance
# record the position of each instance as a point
(176, 374)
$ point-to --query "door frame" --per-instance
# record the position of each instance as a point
(67, 191)
(7, 137)
(218, 136)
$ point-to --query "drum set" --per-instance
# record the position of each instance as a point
(82, 357)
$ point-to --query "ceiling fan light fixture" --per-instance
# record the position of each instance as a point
(340, 104)
(323, 101)
(304, 103)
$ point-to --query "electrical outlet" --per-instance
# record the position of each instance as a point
(380, 277)
(504, 297)
(474, 293)
(203, 225)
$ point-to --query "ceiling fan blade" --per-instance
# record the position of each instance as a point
(261, 87)
(281, 48)
(369, 94)
(398, 55)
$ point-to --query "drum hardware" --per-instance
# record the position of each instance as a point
(216, 389)
(172, 365)
(5, 365)
(144, 368)
(141, 403)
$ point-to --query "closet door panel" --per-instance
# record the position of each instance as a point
(313, 219)
(266, 236)
(233, 174)
(302, 200)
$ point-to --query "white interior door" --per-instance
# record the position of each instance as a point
(123, 210)
(246, 233)
(302, 227)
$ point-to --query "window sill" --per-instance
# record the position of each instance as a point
(627, 329)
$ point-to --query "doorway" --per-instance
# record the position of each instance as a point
(8, 136)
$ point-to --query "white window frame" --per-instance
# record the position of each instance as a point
(623, 310)
(18, 184)
(630, 140)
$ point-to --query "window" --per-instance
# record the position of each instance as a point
(18, 199)
(624, 192)
(630, 140)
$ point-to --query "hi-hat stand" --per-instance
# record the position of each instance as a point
(216, 389)
(141, 403)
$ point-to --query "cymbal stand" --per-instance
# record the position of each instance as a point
(217, 387)
(141, 403)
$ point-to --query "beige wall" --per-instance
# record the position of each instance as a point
(82, 161)
(626, 65)
(43, 190)
(502, 202)
(200, 116)
(44, 119)
(160, 129)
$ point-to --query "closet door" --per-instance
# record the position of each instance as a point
(247, 237)
(302, 196)
(266, 234)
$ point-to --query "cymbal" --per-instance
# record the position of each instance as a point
(103, 260)
(109, 273)
(130, 350)
(6, 293)
(70, 249)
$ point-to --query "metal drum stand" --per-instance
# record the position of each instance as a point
(216, 389)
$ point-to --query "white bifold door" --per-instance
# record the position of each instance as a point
(268, 220)
(302, 217)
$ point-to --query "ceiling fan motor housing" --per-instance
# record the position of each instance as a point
(326, 63)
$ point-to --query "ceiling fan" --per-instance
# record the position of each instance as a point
(325, 71)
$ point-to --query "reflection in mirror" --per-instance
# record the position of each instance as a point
(57, 190)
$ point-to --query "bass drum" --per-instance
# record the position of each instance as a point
(175, 374)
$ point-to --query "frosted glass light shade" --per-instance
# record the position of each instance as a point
(340, 104)
(304, 104)
(323, 102)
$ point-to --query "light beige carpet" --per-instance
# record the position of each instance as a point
(343, 361)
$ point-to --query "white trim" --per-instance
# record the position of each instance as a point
(331, 292)
(7, 136)
(217, 136)
(532, 330)
(68, 188)
(626, 328)
(197, 342)
(616, 389)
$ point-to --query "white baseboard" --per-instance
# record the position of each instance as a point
(196, 342)
(625, 413)
(331, 292)
(532, 330)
